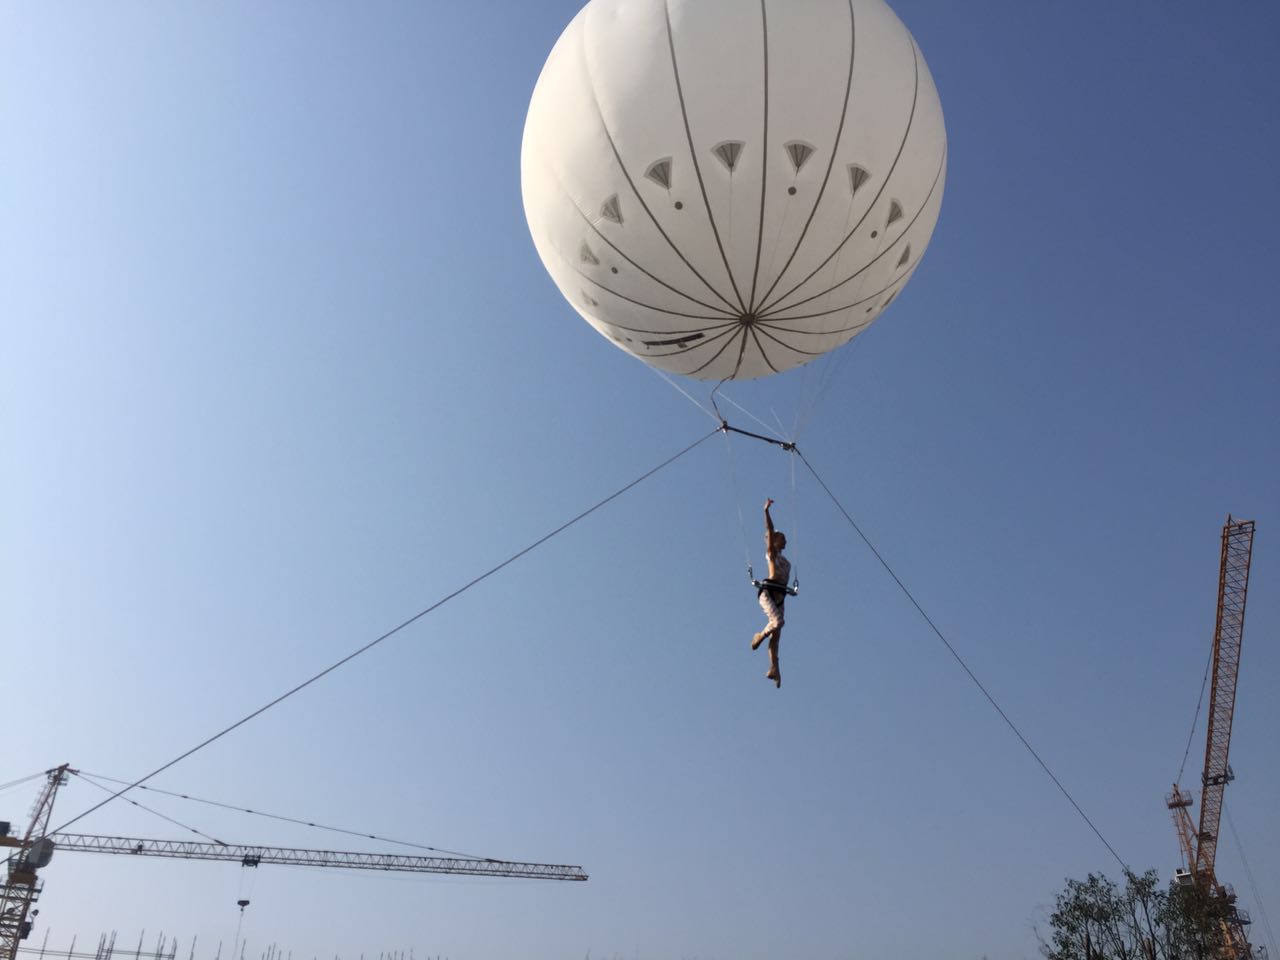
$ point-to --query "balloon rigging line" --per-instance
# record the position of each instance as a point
(1204, 682)
(724, 427)
(675, 386)
(915, 97)
(392, 632)
(848, 86)
(830, 370)
(303, 823)
(693, 155)
(960, 660)
(778, 420)
(157, 813)
(762, 423)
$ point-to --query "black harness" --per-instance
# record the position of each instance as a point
(778, 589)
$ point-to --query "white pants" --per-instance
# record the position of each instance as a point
(772, 609)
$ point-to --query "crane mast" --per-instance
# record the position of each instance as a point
(1200, 846)
(22, 886)
(29, 854)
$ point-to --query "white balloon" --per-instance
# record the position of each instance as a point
(731, 188)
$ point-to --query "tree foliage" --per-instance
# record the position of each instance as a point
(1095, 919)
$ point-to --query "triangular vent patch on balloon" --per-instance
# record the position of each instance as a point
(857, 177)
(587, 256)
(660, 172)
(590, 300)
(612, 210)
(728, 153)
(895, 213)
(798, 152)
(906, 255)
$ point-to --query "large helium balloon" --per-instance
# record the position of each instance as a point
(731, 188)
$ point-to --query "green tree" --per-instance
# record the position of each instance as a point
(1095, 919)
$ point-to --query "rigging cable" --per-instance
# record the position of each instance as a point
(1204, 682)
(393, 631)
(22, 780)
(176, 823)
(304, 823)
(960, 660)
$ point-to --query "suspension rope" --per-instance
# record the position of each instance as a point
(737, 502)
(964, 666)
(283, 819)
(795, 517)
(176, 823)
(392, 632)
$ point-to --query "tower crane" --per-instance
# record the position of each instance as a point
(22, 884)
(1200, 846)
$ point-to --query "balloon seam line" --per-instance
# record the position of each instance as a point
(915, 98)
(635, 190)
(697, 168)
(848, 87)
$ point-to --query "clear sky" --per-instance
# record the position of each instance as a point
(280, 368)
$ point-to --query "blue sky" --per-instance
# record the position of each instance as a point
(281, 368)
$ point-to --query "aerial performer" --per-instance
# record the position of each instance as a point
(773, 594)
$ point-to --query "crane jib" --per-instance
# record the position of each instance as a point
(254, 855)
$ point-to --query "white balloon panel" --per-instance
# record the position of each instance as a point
(731, 188)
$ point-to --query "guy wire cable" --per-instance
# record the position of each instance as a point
(302, 823)
(157, 813)
(393, 631)
(22, 780)
(1204, 682)
(964, 666)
